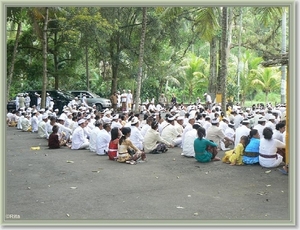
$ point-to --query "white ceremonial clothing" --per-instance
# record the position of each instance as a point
(269, 147)
(79, 140)
(93, 139)
(102, 142)
(136, 137)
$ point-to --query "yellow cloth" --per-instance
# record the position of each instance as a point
(234, 155)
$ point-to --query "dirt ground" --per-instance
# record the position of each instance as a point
(67, 186)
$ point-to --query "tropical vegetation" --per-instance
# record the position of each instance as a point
(185, 51)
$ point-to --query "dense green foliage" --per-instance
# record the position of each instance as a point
(97, 48)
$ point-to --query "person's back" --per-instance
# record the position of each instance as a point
(26, 124)
(268, 156)
(188, 144)
(136, 136)
(103, 139)
(241, 131)
(93, 139)
(215, 134)
(41, 129)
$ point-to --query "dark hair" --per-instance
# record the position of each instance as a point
(149, 120)
(199, 115)
(196, 126)
(252, 133)
(122, 117)
(261, 122)
(201, 132)
(105, 125)
(279, 125)
(55, 128)
(245, 139)
(125, 131)
(114, 133)
(98, 123)
(267, 133)
(207, 118)
(154, 124)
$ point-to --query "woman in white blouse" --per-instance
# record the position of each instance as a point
(268, 156)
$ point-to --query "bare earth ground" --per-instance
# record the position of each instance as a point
(64, 184)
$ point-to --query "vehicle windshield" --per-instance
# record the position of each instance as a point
(67, 94)
(93, 94)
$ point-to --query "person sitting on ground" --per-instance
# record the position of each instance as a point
(251, 151)
(42, 126)
(216, 134)
(103, 139)
(79, 140)
(93, 135)
(170, 134)
(136, 136)
(126, 147)
(268, 156)
(55, 141)
(147, 126)
(188, 144)
(235, 156)
(114, 143)
(153, 142)
(26, 124)
(205, 150)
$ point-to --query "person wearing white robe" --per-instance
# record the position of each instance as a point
(188, 144)
(93, 135)
(42, 126)
(268, 156)
(242, 131)
(170, 134)
(103, 139)
(79, 140)
(34, 122)
(136, 137)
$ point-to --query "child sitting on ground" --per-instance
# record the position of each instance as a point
(235, 156)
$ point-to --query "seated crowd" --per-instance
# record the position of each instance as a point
(254, 135)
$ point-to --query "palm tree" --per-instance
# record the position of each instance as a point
(193, 73)
(267, 80)
(247, 64)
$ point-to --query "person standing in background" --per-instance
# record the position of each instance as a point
(27, 101)
(114, 101)
(208, 101)
(173, 99)
(21, 101)
(162, 100)
(129, 100)
(124, 100)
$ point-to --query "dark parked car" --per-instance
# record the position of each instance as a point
(60, 99)
(11, 105)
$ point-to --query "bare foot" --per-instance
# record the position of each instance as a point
(232, 164)
(216, 159)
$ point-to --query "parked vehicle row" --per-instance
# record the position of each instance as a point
(62, 98)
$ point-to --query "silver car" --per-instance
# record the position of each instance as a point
(92, 99)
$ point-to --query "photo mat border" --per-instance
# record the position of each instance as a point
(291, 97)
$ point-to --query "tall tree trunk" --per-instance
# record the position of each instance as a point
(11, 71)
(114, 55)
(283, 51)
(212, 88)
(141, 56)
(45, 41)
(55, 58)
(224, 57)
(239, 54)
(87, 68)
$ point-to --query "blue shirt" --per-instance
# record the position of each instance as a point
(253, 145)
